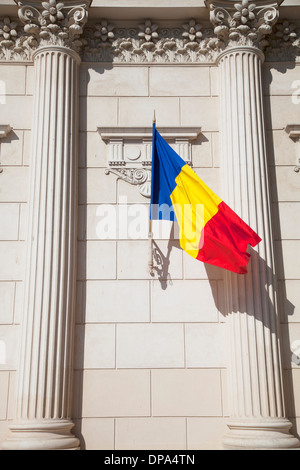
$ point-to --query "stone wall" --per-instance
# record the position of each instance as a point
(150, 353)
(16, 111)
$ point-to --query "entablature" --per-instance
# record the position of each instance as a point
(137, 33)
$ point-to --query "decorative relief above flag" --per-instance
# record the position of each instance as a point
(208, 229)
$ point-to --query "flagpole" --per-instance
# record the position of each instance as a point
(150, 233)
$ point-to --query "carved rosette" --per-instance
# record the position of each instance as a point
(54, 23)
(149, 42)
(284, 42)
(243, 23)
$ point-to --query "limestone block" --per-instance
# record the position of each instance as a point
(96, 187)
(179, 81)
(216, 151)
(11, 148)
(113, 393)
(98, 433)
(296, 386)
(94, 346)
(96, 260)
(27, 148)
(170, 252)
(14, 77)
(77, 397)
(117, 81)
(220, 300)
(291, 345)
(138, 111)
(282, 79)
(206, 433)
(194, 269)
(17, 111)
(19, 302)
(203, 112)
(90, 216)
(287, 187)
(12, 261)
(202, 151)
(9, 347)
(83, 77)
(4, 380)
(11, 403)
(14, 184)
(130, 192)
(133, 259)
(289, 298)
(186, 392)
(281, 148)
(225, 392)
(97, 112)
(9, 225)
(206, 345)
(117, 301)
(150, 433)
(7, 296)
(214, 80)
(150, 345)
(30, 78)
(286, 252)
(188, 301)
(23, 221)
(92, 151)
(289, 220)
(280, 111)
(4, 430)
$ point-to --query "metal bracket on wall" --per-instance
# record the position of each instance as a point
(4, 131)
(293, 131)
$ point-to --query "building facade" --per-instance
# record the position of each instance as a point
(96, 350)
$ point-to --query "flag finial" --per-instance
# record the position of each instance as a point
(154, 118)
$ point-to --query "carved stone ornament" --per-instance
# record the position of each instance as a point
(130, 152)
(284, 42)
(149, 42)
(54, 22)
(243, 23)
(45, 23)
(65, 23)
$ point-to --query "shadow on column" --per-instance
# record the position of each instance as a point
(82, 251)
(79, 340)
(286, 308)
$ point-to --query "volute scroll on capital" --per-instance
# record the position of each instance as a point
(243, 23)
(53, 22)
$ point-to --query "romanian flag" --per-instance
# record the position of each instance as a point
(208, 229)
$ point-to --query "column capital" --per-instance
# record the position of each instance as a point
(243, 23)
(53, 22)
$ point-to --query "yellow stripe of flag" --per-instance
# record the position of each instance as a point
(193, 209)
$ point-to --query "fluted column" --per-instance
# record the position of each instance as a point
(256, 392)
(44, 390)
